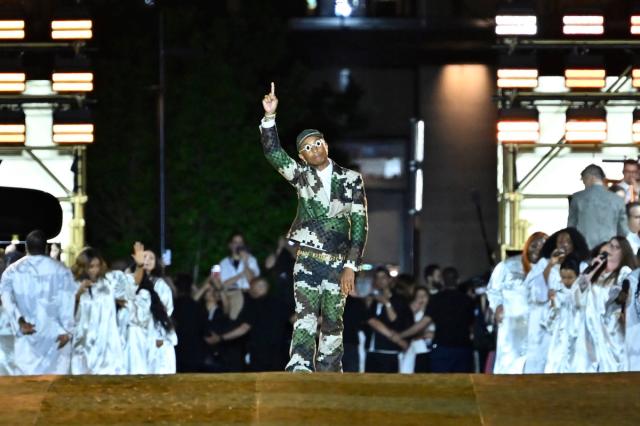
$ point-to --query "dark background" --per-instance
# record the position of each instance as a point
(407, 59)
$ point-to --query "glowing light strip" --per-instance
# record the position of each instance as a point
(82, 24)
(12, 25)
(518, 136)
(583, 83)
(517, 83)
(15, 138)
(71, 35)
(73, 128)
(12, 128)
(586, 126)
(12, 87)
(72, 87)
(518, 126)
(11, 34)
(73, 138)
(12, 77)
(584, 73)
(585, 136)
(62, 77)
(583, 20)
(518, 73)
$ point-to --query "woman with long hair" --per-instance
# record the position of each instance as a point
(162, 354)
(97, 348)
(543, 278)
(600, 295)
(508, 297)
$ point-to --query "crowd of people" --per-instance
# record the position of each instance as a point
(570, 302)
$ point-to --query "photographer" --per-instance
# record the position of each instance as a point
(236, 271)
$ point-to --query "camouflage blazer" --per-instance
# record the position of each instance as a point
(335, 224)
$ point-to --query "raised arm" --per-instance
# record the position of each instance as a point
(273, 151)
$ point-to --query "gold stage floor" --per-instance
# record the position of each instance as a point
(331, 399)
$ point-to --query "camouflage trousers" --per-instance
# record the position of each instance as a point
(318, 298)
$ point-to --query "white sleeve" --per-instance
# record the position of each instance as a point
(253, 265)
(494, 288)
(266, 123)
(226, 271)
(66, 301)
(166, 295)
(535, 282)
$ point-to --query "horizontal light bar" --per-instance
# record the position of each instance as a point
(12, 25)
(12, 87)
(73, 138)
(585, 84)
(518, 73)
(507, 83)
(82, 24)
(516, 126)
(11, 34)
(12, 138)
(516, 25)
(12, 77)
(12, 128)
(73, 128)
(585, 73)
(62, 77)
(72, 35)
(72, 87)
(586, 126)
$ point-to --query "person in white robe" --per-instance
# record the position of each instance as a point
(543, 278)
(600, 295)
(162, 354)
(38, 294)
(561, 320)
(97, 347)
(508, 298)
(632, 322)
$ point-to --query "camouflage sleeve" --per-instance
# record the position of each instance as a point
(277, 156)
(359, 226)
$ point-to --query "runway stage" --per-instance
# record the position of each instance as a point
(333, 399)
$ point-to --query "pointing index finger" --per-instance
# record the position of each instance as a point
(273, 88)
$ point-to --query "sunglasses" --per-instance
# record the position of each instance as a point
(317, 144)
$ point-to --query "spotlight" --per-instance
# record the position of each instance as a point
(586, 125)
(518, 125)
(12, 127)
(517, 72)
(635, 24)
(72, 127)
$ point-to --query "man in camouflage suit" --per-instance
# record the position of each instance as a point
(331, 230)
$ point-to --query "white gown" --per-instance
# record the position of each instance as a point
(7, 339)
(605, 332)
(162, 360)
(632, 323)
(506, 287)
(42, 291)
(139, 331)
(561, 323)
(538, 336)
(407, 358)
(97, 348)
